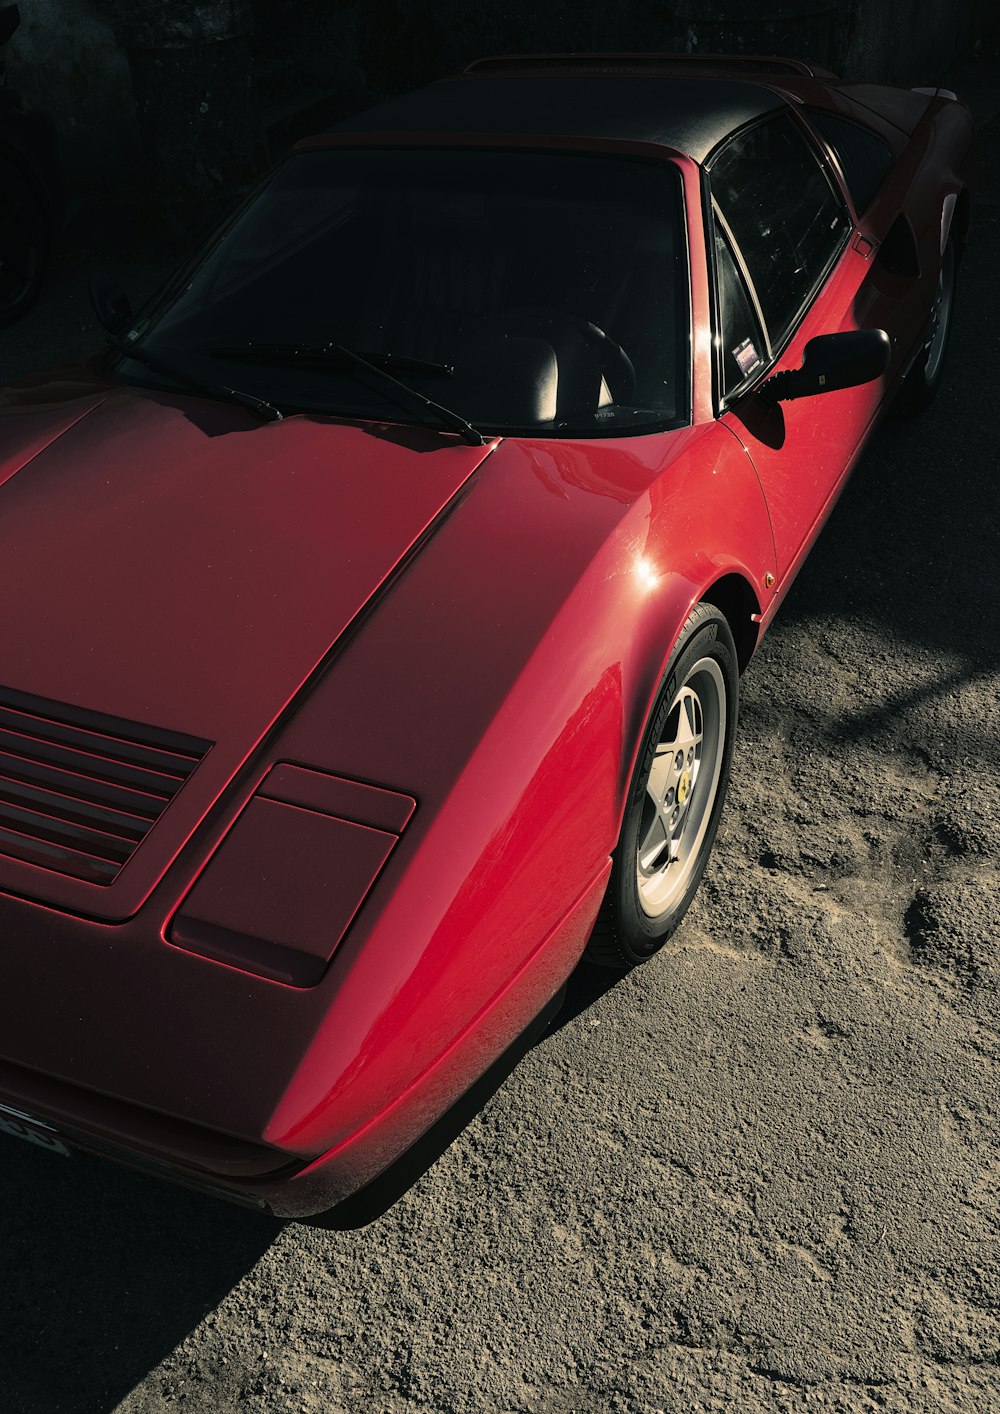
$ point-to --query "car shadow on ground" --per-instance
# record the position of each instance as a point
(585, 987)
(104, 1273)
(112, 1270)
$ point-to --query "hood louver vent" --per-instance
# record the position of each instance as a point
(79, 791)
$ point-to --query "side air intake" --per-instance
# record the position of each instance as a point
(80, 791)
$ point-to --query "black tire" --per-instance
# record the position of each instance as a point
(924, 376)
(645, 902)
(24, 243)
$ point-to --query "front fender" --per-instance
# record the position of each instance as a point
(504, 683)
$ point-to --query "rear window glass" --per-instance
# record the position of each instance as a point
(864, 157)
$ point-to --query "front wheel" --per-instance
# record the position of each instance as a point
(675, 797)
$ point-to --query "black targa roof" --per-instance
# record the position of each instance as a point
(690, 114)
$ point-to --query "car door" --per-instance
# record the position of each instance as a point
(786, 269)
(903, 257)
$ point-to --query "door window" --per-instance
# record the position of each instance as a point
(785, 216)
(743, 349)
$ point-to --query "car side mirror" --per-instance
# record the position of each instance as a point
(833, 361)
(110, 304)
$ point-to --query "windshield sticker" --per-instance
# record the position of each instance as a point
(747, 357)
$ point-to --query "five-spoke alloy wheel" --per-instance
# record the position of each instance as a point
(681, 788)
(675, 797)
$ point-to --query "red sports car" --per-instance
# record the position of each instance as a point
(372, 614)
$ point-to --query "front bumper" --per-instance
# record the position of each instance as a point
(272, 1180)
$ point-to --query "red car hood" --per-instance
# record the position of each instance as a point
(168, 563)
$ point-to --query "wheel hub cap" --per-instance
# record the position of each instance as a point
(681, 788)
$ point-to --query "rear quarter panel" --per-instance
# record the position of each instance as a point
(928, 190)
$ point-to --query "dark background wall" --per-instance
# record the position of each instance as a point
(196, 96)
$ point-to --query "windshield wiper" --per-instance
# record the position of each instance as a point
(266, 411)
(377, 364)
(326, 353)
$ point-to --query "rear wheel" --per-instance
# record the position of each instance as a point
(924, 377)
(24, 243)
(675, 798)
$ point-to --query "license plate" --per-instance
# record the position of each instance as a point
(14, 1124)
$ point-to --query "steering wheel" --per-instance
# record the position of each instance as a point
(616, 367)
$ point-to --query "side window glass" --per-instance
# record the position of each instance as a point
(743, 348)
(785, 216)
(864, 157)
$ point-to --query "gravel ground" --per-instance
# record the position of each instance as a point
(758, 1174)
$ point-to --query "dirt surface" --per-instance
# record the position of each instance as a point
(757, 1174)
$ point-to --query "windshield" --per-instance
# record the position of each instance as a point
(524, 291)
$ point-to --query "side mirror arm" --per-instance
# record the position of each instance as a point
(832, 361)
